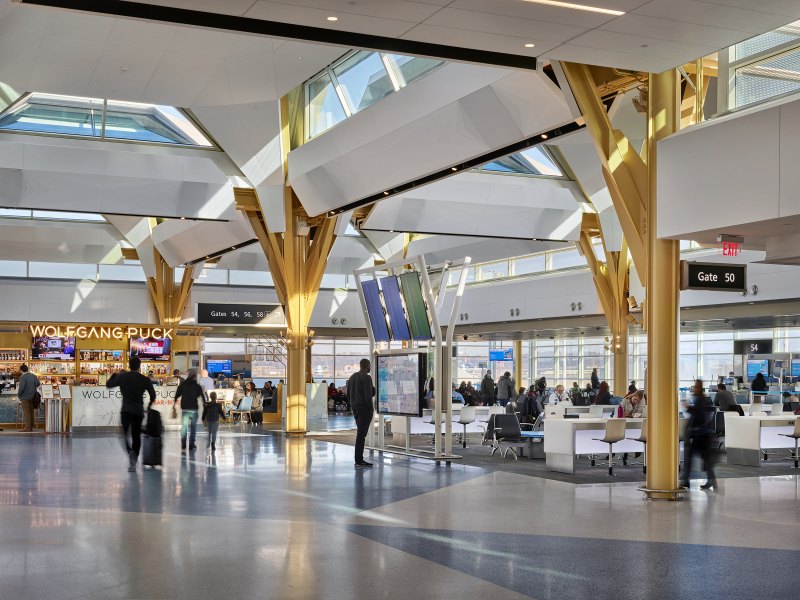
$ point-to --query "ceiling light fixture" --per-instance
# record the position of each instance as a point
(544, 136)
(605, 11)
(529, 45)
(333, 18)
(454, 168)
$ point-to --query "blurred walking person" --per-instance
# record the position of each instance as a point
(699, 432)
(133, 385)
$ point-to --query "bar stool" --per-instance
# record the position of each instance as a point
(796, 436)
(615, 432)
(643, 440)
(682, 426)
(465, 417)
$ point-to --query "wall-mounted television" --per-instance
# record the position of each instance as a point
(401, 383)
(754, 367)
(151, 349)
(53, 348)
(216, 367)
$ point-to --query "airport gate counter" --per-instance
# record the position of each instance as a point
(749, 438)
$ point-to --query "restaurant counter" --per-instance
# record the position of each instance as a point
(96, 408)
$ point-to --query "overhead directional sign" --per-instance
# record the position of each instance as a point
(719, 277)
(265, 315)
(752, 347)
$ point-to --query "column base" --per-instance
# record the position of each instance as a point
(671, 495)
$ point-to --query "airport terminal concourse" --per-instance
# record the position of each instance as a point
(310, 299)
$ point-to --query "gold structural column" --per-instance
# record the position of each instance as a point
(663, 307)
(518, 363)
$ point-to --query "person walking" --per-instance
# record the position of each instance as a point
(505, 389)
(189, 394)
(487, 389)
(206, 381)
(595, 379)
(28, 384)
(360, 392)
(699, 432)
(133, 385)
(212, 413)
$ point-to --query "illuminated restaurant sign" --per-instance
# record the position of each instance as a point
(86, 332)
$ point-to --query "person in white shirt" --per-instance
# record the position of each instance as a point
(559, 397)
(206, 382)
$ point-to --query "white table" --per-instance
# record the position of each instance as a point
(565, 439)
(748, 438)
(419, 427)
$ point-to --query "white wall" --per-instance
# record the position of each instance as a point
(75, 301)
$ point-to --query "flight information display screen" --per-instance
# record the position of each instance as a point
(394, 306)
(401, 380)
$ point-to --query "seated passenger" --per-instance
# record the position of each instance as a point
(759, 383)
(632, 387)
(724, 398)
(791, 403)
(603, 394)
(457, 398)
(559, 397)
(634, 406)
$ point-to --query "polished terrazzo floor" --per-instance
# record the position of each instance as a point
(266, 517)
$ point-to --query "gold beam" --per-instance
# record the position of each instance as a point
(662, 307)
(624, 171)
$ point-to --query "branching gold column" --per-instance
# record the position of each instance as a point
(662, 305)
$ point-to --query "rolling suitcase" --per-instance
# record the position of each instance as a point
(151, 451)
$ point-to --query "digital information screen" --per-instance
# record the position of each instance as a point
(401, 378)
(796, 368)
(377, 318)
(394, 306)
(415, 305)
(754, 367)
(151, 349)
(219, 366)
(501, 355)
(53, 348)
(269, 315)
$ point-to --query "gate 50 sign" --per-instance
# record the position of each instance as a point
(718, 277)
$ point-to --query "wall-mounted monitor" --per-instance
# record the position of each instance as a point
(53, 348)
(501, 354)
(795, 372)
(151, 349)
(217, 367)
(754, 367)
(394, 307)
(375, 312)
(415, 306)
(401, 383)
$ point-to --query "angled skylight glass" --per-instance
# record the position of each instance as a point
(531, 161)
(97, 118)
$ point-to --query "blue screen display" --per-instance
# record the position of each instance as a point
(502, 354)
(796, 368)
(377, 318)
(219, 366)
(754, 367)
(394, 306)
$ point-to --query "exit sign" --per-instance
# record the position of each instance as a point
(731, 248)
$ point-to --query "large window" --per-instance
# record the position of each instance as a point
(105, 119)
(531, 161)
(354, 82)
(763, 67)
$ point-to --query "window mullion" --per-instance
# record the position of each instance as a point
(340, 93)
(395, 74)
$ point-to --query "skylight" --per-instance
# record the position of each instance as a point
(105, 119)
(531, 161)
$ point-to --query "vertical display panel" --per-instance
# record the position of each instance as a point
(377, 316)
(394, 306)
(415, 305)
(401, 383)
(754, 367)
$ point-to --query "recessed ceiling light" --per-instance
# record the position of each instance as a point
(454, 168)
(544, 136)
(183, 218)
(333, 18)
(385, 193)
(597, 9)
(529, 45)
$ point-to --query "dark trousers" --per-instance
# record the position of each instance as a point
(132, 426)
(700, 445)
(363, 423)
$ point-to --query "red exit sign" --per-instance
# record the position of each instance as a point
(731, 248)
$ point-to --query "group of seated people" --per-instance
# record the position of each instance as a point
(726, 401)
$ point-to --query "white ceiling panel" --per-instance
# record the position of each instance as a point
(664, 29)
(123, 72)
(228, 7)
(475, 39)
(540, 12)
(715, 15)
(274, 11)
(142, 34)
(179, 78)
(641, 44)
(504, 25)
(401, 10)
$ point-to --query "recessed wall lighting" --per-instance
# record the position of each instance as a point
(529, 45)
(333, 18)
(597, 9)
